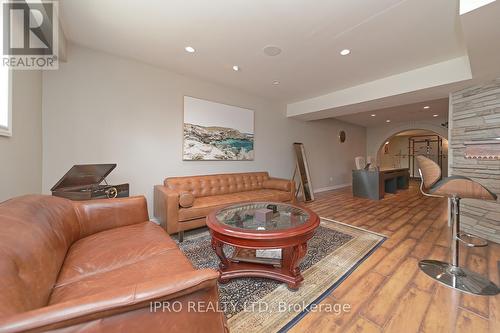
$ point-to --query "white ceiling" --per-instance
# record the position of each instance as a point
(479, 28)
(386, 37)
(415, 132)
(401, 113)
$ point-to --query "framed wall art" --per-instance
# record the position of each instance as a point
(215, 131)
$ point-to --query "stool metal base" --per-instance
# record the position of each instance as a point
(458, 278)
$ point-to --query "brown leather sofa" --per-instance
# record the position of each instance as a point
(182, 203)
(96, 266)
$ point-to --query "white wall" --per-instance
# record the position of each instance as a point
(397, 157)
(21, 154)
(100, 108)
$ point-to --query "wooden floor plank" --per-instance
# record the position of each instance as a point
(468, 322)
(381, 305)
(365, 267)
(398, 236)
(361, 325)
(494, 274)
(395, 257)
(442, 312)
(409, 312)
(425, 244)
(422, 281)
(335, 323)
(476, 304)
(421, 228)
(388, 292)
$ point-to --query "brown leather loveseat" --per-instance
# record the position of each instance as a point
(96, 266)
(182, 203)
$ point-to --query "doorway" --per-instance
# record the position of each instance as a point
(400, 150)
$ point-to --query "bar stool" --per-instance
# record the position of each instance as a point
(455, 188)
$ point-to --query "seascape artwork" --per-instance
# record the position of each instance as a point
(214, 131)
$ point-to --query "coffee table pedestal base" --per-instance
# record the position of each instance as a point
(287, 272)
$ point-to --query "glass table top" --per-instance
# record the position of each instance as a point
(244, 216)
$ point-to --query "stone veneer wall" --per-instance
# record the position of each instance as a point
(475, 114)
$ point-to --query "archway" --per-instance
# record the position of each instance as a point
(400, 149)
(378, 137)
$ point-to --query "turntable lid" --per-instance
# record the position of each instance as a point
(84, 175)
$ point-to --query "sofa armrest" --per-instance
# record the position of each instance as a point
(278, 184)
(103, 214)
(166, 208)
(112, 302)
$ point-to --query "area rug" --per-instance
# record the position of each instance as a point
(263, 305)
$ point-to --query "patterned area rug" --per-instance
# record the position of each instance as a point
(263, 305)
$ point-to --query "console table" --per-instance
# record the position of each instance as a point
(373, 184)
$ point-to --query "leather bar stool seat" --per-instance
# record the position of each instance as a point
(462, 187)
(455, 188)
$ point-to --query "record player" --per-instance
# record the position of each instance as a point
(84, 182)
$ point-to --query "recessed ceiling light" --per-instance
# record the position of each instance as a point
(189, 49)
(345, 52)
(435, 115)
(427, 107)
(373, 115)
(236, 68)
(276, 82)
(388, 121)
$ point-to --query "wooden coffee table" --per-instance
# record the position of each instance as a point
(289, 230)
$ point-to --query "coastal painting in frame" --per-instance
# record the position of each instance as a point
(214, 131)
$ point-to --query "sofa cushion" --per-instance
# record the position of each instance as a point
(204, 205)
(209, 185)
(277, 184)
(186, 199)
(35, 234)
(165, 264)
(138, 253)
(94, 254)
(276, 195)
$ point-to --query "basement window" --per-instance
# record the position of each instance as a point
(5, 93)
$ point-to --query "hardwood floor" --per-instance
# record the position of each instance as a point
(388, 292)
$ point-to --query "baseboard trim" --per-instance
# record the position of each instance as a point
(329, 188)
